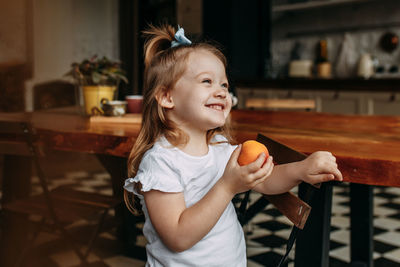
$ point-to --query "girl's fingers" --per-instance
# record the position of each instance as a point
(235, 153)
(263, 173)
(325, 167)
(265, 168)
(256, 165)
(323, 177)
(338, 175)
(333, 169)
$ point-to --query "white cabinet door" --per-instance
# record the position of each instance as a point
(340, 102)
(383, 103)
(245, 93)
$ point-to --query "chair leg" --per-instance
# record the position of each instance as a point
(65, 234)
(95, 233)
(254, 209)
(29, 244)
(71, 243)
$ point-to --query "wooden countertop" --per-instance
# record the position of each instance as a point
(367, 147)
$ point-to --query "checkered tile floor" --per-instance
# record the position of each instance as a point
(266, 234)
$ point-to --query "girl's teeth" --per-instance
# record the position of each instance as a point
(218, 107)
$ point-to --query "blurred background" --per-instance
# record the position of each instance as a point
(315, 43)
(342, 55)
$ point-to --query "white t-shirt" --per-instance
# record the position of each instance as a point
(168, 169)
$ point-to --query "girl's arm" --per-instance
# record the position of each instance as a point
(318, 167)
(181, 227)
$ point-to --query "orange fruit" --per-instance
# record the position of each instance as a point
(251, 149)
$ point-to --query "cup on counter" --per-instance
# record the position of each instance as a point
(135, 103)
(113, 108)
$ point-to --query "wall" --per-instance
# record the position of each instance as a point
(363, 21)
(66, 31)
(71, 30)
(62, 31)
(13, 31)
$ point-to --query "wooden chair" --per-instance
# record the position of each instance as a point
(54, 94)
(59, 207)
(295, 209)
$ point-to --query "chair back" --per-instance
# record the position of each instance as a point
(19, 138)
(54, 94)
(294, 208)
(290, 205)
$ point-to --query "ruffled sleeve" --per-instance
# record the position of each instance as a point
(156, 172)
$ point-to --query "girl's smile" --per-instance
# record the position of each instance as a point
(217, 106)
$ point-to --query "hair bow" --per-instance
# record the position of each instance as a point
(180, 38)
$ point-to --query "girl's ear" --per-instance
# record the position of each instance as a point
(164, 99)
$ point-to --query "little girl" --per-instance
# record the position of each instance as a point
(185, 170)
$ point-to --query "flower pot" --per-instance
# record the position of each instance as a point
(93, 95)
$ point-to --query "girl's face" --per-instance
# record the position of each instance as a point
(200, 99)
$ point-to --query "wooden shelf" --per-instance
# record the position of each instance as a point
(314, 4)
(355, 84)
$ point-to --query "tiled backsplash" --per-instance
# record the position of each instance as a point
(363, 22)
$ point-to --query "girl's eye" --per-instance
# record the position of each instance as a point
(225, 85)
(207, 81)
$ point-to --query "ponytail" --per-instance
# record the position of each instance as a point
(158, 40)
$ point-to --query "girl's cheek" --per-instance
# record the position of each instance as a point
(229, 107)
(227, 111)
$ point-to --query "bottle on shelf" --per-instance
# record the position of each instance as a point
(324, 68)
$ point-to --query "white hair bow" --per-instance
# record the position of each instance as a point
(180, 38)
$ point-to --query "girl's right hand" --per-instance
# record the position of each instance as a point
(238, 179)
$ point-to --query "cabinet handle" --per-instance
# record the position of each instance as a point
(336, 95)
(392, 97)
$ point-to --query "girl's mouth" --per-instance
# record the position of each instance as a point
(216, 106)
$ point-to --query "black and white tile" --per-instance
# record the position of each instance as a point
(266, 234)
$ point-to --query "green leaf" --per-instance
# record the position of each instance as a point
(97, 70)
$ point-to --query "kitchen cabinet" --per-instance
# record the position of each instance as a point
(332, 101)
(244, 93)
(384, 103)
(311, 5)
(340, 102)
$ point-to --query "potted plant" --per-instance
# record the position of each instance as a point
(98, 78)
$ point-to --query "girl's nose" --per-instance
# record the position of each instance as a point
(221, 93)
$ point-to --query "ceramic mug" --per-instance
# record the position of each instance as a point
(365, 66)
(135, 103)
(113, 108)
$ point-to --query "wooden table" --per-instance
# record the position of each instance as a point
(367, 149)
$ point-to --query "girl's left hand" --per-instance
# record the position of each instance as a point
(320, 167)
(237, 179)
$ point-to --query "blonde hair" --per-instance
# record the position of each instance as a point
(164, 66)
